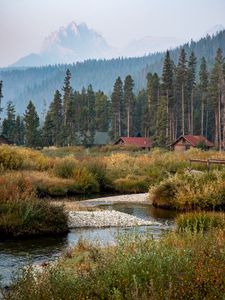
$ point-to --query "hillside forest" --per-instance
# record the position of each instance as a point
(183, 100)
(39, 83)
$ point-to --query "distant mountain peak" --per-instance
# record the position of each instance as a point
(69, 44)
(73, 27)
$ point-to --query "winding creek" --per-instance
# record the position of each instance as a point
(17, 253)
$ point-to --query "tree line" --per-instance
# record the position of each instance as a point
(186, 99)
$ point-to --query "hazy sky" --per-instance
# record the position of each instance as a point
(25, 23)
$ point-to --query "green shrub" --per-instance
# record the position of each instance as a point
(64, 168)
(85, 181)
(131, 184)
(10, 159)
(33, 217)
(190, 191)
(164, 194)
(98, 169)
(200, 221)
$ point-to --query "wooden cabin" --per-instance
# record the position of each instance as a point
(185, 142)
(140, 142)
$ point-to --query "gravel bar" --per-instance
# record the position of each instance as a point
(107, 218)
(132, 198)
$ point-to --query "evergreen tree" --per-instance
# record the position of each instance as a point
(203, 86)
(48, 131)
(161, 126)
(153, 94)
(67, 89)
(216, 92)
(141, 114)
(102, 107)
(91, 115)
(8, 126)
(69, 122)
(168, 92)
(19, 132)
(191, 83)
(181, 82)
(87, 116)
(52, 130)
(128, 104)
(117, 108)
(31, 124)
(56, 110)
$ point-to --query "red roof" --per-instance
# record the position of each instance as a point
(194, 140)
(136, 141)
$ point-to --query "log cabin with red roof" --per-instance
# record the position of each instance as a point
(185, 142)
(140, 142)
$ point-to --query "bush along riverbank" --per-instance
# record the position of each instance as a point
(23, 215)
(187, 265)
(186, 192)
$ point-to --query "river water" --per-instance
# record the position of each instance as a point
(15, 254)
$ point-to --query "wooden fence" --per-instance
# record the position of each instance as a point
(208, 162)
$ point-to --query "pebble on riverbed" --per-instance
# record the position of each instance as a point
(109, 218)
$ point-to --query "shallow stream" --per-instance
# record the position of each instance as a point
(17, 253)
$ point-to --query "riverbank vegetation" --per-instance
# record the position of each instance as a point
(61, 172)
(198, 191)
(22, 214)
(29, 178)
(179, 266)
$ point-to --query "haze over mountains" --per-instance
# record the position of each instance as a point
(77, 42)
(39, 83)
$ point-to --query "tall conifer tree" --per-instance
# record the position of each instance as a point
(216, 92)
(203, 86)
(9, 124)
(129, 104)
(168, 92)
(191, 83)
(117, 108)
(181, 81)
(31, 124)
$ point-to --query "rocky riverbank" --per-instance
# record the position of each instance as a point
(106, 218)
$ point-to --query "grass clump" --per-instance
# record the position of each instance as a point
(16, 158)
(200, 221)
(131, 184)
(85, 181)
(14, 186)
(98, 169)
(178, 266)
(64, 168)
(10, 159)
(33, 217)
(190, 191)
(82, 179)
(22, 214)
